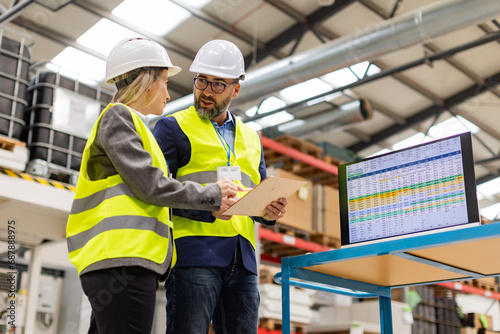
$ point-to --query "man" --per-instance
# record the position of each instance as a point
(215, 277)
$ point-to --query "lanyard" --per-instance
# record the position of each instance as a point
(223, 142)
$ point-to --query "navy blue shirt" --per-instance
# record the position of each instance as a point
(203, 250)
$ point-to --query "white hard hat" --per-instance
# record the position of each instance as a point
(219, 58)
(134, 53)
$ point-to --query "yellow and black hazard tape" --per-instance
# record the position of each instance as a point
(37, 179)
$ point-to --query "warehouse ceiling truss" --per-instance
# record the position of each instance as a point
(441, 80)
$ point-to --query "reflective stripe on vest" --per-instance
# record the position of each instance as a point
(92, 201)
(207, 177)
(106, 219)
(207, 153)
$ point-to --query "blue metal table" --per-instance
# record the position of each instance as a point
(372, 270)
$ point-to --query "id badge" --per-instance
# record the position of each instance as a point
(233, 173)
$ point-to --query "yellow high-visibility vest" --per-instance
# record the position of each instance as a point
(107, 221)
(208, 153)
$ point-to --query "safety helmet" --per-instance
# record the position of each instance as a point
(136, 52)
(219, 58)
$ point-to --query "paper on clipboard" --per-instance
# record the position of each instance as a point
(256, 200)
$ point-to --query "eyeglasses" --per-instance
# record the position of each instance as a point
(217, 87)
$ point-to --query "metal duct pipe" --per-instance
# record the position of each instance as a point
(403, 31)
(347, 114)
(342, 116)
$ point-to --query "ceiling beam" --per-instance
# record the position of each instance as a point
(297, 29)
(99, 12)
(462, 68)
(450, 60)
(487, 178)
(425, 114)
(7, 15)
(56, 37)
(230, 29)
(31, 26)
(319, 29)
(189, 54)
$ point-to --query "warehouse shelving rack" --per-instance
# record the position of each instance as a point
(373, 270)
(316, 248)
(39, 200)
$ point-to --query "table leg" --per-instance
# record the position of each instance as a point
(285, 296)
(385, 315)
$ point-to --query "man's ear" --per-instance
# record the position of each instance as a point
(236, 90)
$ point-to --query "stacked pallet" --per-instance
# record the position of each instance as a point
(270, 316)
(299, 168)
(13, 154)
(486, 283)
(359, 317)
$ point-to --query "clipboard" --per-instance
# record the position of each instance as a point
(256, 200)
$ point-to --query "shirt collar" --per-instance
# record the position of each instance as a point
(229, 120)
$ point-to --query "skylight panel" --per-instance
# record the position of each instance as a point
(104, 35)
(491, 212)
(291, 125)
(329, 97)
(251, 112)
(305, 90)
(254, 126)
(158, 17)
(373, 69)
(270, 104)
(489, 188)
(340, 78)
(80, 65)
(275, 119)
(452, 126)
(416, 139)
(360, 69)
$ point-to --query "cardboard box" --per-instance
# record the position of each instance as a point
(326, 215)
(317, 209)
(299, 209)
(331, 209)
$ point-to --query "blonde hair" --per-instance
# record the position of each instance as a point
(144, 80)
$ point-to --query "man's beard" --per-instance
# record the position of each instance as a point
(213, 111)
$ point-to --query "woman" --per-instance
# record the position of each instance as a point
(119, 230)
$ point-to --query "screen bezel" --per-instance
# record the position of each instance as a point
(469, 181)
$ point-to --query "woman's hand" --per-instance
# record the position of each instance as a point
(226, 203)
(229, 188)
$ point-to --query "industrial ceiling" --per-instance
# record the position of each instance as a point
(417, 63)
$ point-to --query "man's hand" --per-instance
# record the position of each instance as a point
(226, 203)
(276, 209)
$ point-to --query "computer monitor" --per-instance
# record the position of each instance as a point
(416, 190)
